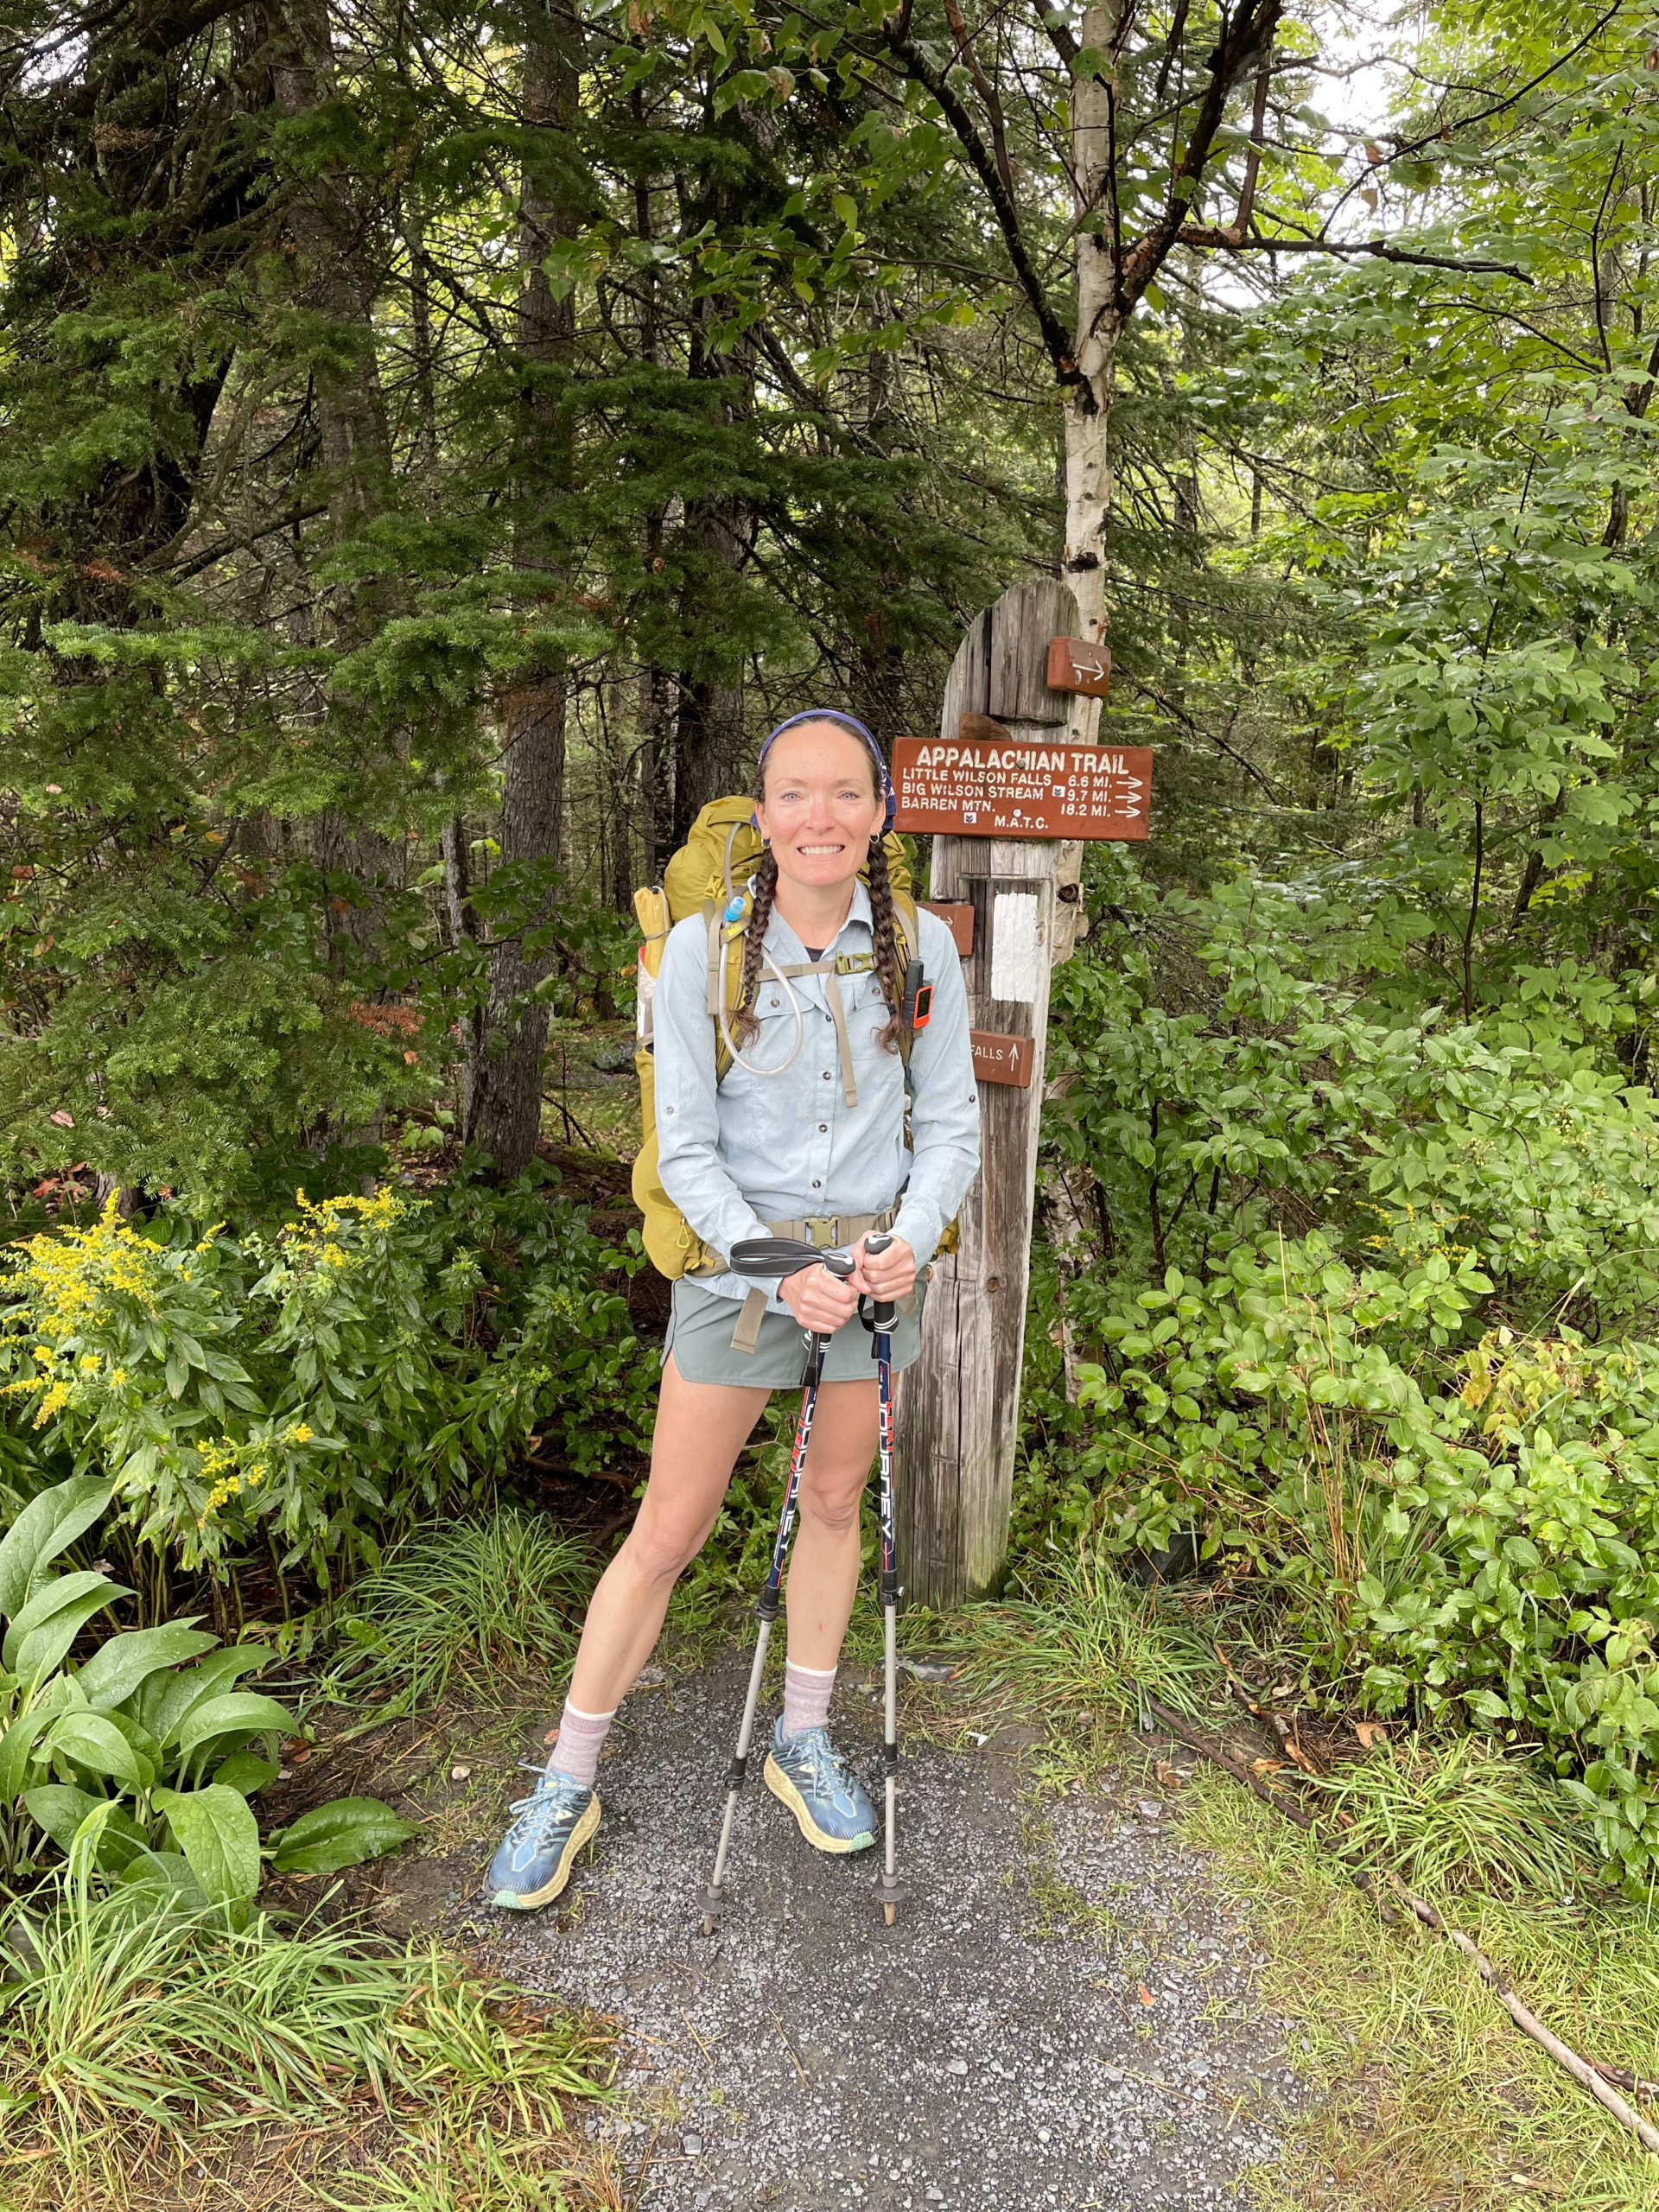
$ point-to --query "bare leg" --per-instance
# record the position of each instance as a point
(701, 1428)
(823, 1572)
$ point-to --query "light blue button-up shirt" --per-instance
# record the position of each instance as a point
(783, 1146)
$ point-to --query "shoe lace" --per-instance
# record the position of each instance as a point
(543, 1809)
(828, 1769)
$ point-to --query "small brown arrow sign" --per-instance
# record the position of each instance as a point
(957, 918)
(1074, 665)
(1001, 1059)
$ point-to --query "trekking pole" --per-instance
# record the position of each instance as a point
(891, 1890)
(770, 1258)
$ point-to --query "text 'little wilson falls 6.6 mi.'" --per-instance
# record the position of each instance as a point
(993, 785)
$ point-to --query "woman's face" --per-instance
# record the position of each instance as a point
(822, 807)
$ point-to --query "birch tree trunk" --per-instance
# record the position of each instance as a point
(1068, 1193)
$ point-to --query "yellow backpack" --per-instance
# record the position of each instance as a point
(709, 875)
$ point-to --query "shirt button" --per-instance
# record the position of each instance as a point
(823, 1128)
(816, 1184)
(826, 1078)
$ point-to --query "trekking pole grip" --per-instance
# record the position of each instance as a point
(884, 1310)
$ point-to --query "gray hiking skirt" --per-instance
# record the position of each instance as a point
(699, 1337)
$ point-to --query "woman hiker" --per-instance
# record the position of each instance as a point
(777, 1139)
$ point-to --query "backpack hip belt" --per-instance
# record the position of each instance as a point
(824, 1230)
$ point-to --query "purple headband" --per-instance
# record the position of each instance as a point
(847, 723)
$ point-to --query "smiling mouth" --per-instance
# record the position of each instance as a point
(804, 850)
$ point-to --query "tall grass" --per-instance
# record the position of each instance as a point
(1076, 1633)
(120, 2024)
(483, 1599)
(486, 2171)
(1423, 2092)
(1458, 1814)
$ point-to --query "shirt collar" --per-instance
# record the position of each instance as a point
(858, 911)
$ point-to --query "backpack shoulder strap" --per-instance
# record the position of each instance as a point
(904, 913)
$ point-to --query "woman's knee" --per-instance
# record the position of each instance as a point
(661, 1555)
(834, 1509)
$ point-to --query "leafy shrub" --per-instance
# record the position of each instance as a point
(1473, 1533)
(321, 1386)
(1263, 1401)
(1263, 1092)
(144, 1749)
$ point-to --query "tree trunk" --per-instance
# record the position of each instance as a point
(326, 225)
(656, 770)
(709, 741)
(505, 1091)
(1088, 504)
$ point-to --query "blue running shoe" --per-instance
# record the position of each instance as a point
(826, 1797)
(534, 1862)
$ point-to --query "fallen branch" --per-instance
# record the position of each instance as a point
(1581, 2070)
(1622, 2078)
(1603, 2082)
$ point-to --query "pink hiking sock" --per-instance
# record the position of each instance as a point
(581, 1737)
(806, 1698)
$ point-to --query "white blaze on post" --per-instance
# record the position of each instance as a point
(1015, 946)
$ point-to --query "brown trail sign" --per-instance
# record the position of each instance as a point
(957, 1409)
(993, 787)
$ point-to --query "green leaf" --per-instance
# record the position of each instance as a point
(342, 1834)
(246, 1771)
(164, 1878)
(19, 1741)
(92, 1742)
(62, 1810)
(116, 1669)
(42, 1633)
(215, 1829)
(180, 1693)
(240, 1713)
(48, 1525)
(58, 1808)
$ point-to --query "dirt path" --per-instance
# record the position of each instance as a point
(1063, 2015)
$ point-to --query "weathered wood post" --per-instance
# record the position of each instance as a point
(1011, 787)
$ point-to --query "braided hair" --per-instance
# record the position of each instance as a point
(763, 887)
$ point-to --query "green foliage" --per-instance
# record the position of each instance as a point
(1473, 1536)
(1456, 1816)
(1374, 1313)
(1075, 1634)
(489, 1600)
(1270, 1090)
(140, 1754)
(118, 2024)
(320, 1387)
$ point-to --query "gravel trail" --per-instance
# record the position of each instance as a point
(1062, 2015)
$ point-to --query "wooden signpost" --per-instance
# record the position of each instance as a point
(1014, 781)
